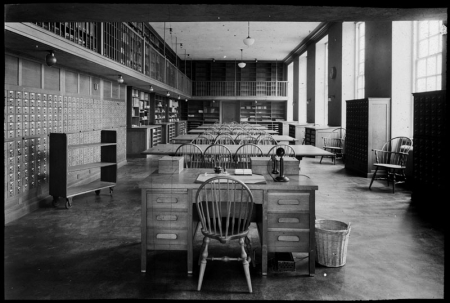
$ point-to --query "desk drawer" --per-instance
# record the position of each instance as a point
(166, 239)
(169, 199)
(287, 201)
(288, 220)
(288, 240)
(166, 219)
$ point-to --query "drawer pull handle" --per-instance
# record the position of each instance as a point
(288, 239)
(166, 236)
(167, 218)
(288, 202)
(288, 220)
(166, 200)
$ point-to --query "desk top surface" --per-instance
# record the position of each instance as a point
(186, 179)
(254, 126)
(300, 150)
(192, 137)
(202, 130)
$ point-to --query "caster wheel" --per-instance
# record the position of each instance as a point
(55, 201)
(68, 203)
(97, 192)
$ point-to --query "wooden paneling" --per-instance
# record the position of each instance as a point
(31, 74)
(84, 84)
(11, 70)
(71, 81)
(51, 78)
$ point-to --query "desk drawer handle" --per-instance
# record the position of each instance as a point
(166, 236)
(167, 218)
(166, 200)
(288, 202)
(288, 239)
(288, 220)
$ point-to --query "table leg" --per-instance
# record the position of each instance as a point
(143, 231)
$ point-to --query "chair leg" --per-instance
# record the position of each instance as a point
(373, 177)
(393, 182)
(245, 264)
(250, 250)
(203, 264)
(321, 159)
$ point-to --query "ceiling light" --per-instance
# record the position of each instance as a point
(151, 88)
(120, 79)
(256, 60)
(168, 94)
(185, 99)
(241, 64)
(249, 41)
(179, 97)
(50, 59)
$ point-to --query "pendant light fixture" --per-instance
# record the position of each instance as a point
(168, 94)
(241, 64)
(151, 88)
(120, 79)
(50, 59)
(249, 41)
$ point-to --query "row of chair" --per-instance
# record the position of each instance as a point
(220, 155)
(242, 138)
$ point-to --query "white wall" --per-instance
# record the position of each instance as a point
(348, 67)
(302, 89)
(402, 79)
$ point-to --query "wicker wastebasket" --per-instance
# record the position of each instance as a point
(331, 242)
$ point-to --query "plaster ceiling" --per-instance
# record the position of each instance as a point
(224, 40)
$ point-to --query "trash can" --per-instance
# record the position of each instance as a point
(331, 242)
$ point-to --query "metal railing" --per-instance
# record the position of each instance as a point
(240, 88)
(121, 43)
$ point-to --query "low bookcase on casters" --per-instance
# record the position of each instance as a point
(60, 166)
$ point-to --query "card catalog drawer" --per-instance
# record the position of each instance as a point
(288, 220)
(167, 199)
(166, 219)
(288, 240)
(166, 239)
(288, 201)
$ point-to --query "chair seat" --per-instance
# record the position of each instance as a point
(332, 148)
(231, 231)
(389, 166)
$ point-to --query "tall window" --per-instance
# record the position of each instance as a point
(325, 82)
(428, 65)
(360, 51)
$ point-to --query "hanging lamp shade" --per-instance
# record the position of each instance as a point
(249, 41)
(241, 64)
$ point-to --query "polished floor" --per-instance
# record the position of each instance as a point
(92, 251)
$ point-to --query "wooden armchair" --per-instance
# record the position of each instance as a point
(217, 155)
(335, 144)
(225, 140)
(392, 157)
(193, 155)
(243, 154)
(266, 139)
(225, 206)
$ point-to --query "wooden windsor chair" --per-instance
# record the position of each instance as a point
(243, 154)
(266, 139)
(203, 139)
(193, 155)
(217, 155)
(225, 140)
(225, 207)
(245, 138)
(334, 144)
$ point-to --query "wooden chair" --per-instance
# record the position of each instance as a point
(266, 139)
(225, 206)
(203, 139)
(193, 155)
(225, 140)
(289, 151)
(243, 154)
(217, 155)
(245, 139)
(392, 157)
(335, 144)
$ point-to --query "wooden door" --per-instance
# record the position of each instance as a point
(230, 111)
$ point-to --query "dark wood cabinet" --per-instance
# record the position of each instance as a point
(368, 127)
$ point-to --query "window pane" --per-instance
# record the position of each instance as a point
(434, 27)
(423, 29)
(431, 66)
(361, 56)
(434, 45)
(361, 69)
(421, 68)
(439, 64)
(423, 48)
(438, 82)
(361, 42)
(421, 84)
(431, 83)
(360, 82)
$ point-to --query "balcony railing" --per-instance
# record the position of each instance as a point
(240, 88)
(124, 45)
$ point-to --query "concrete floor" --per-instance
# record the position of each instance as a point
(92, 251)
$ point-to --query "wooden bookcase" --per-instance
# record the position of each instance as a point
(297, 131)
(368, 127)
(211, 112)
(263, 111)
(158, 109)
(138, 107)
(60, 166)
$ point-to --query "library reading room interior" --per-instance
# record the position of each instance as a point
(224, 151)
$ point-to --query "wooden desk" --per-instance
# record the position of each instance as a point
(202, 130)
(253, 126)
(284, 214)
(188, 138)
(300, 150)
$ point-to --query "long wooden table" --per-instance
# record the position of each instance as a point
(284, 214)
(202, 130)
(188, 138)
(300, 150)
(253, 126)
